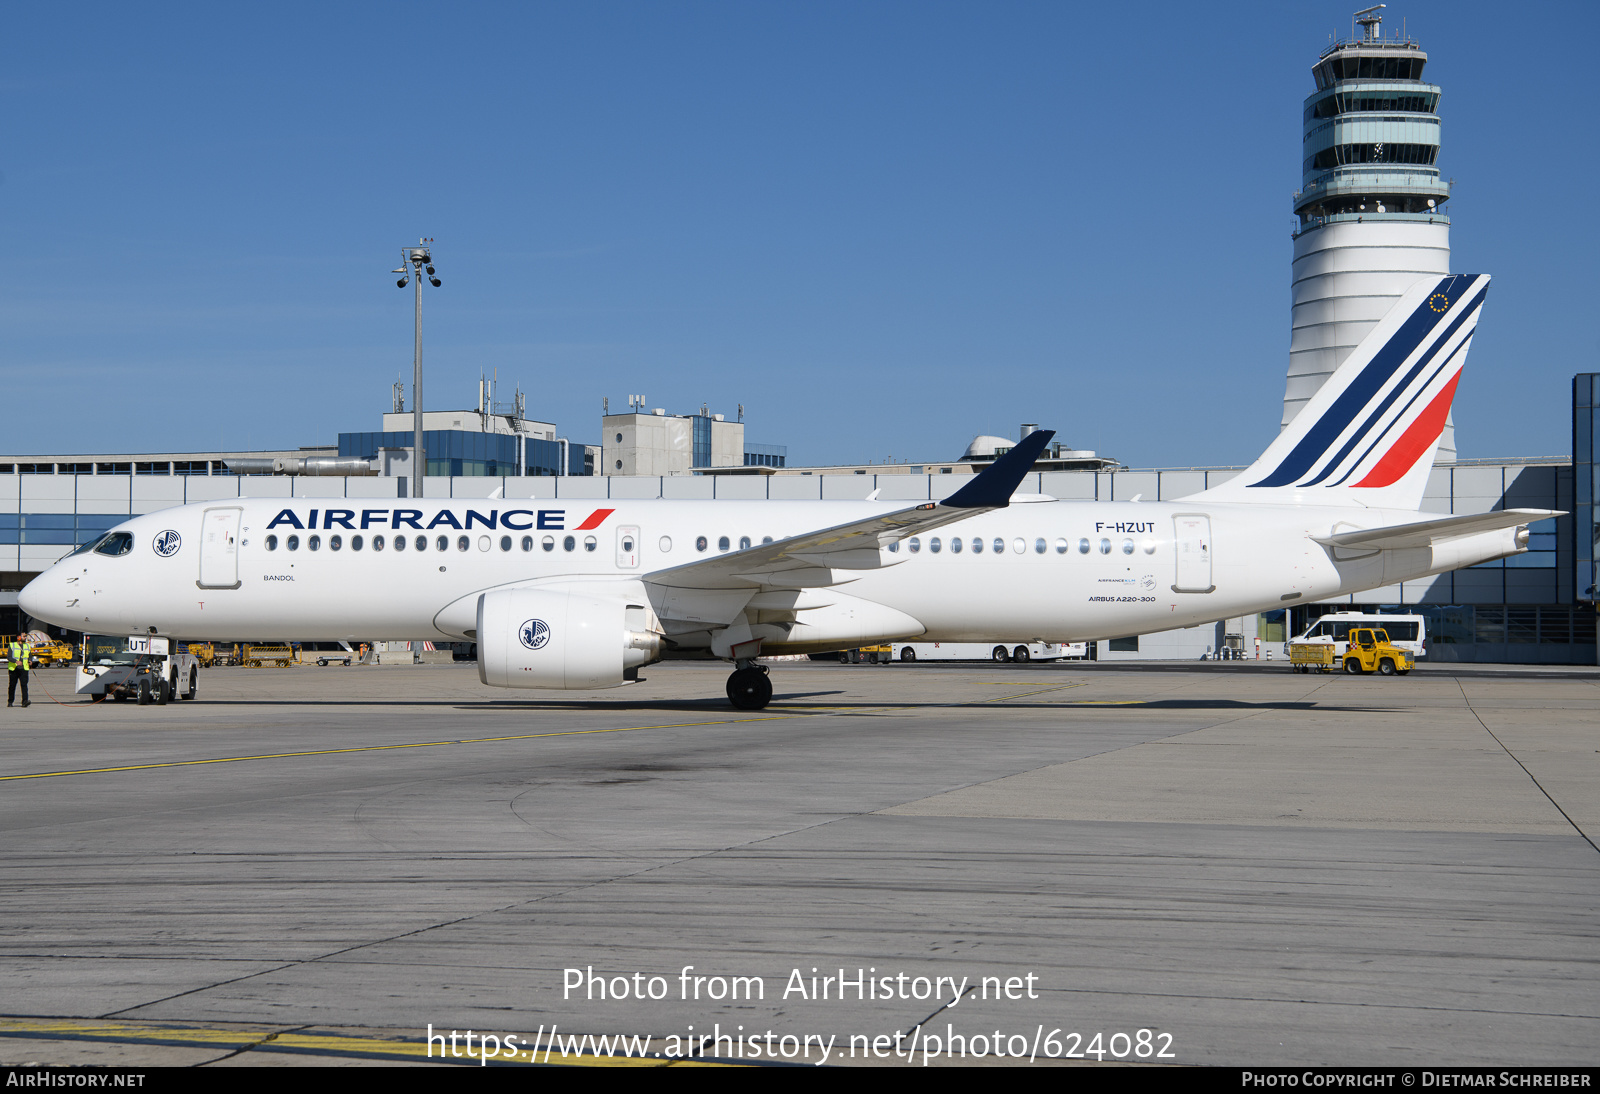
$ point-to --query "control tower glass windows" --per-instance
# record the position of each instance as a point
(1335, 69)
(1371, 101)
(1341, 155)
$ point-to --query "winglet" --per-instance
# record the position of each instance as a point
(992, 488)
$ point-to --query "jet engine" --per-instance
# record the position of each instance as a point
(563, 637)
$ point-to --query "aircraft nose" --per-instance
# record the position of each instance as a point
(32, 597)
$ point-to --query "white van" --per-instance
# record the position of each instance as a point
(1409, 632)
(982, 651)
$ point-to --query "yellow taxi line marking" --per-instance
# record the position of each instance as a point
(371, 748)
(325, 1044)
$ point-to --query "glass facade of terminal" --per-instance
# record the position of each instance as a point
(1586, 487)
(459, 452)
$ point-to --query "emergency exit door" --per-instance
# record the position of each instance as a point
(1192, 536)
(628, 547)
(219, 548)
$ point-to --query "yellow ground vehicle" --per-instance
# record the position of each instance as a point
(1311, 656)
(870, 654)
(260, 656)
(1371, 651)
(204, 652)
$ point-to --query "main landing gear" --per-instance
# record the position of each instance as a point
(749, 688)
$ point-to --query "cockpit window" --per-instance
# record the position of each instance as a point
(86, 547)
(117, 543)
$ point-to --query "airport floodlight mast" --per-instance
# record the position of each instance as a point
(420, 259)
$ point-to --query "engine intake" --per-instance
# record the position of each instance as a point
(563, 638)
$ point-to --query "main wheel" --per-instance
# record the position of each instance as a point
(749, 689)
(908, 654)
(1352, 666)
(163, 692)
(194, 684)
(1386, 667)
(1021, 654)
(999, 654)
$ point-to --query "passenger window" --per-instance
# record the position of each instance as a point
(442, 543)
(527, 543)
(699, 543)
(977, 545)
(1019, 545)
(355, 543)
(665, 544)
(934, 545)
(314, 543)
(766, 539)
(272, 545)
(334, 543)
(1105, 546)
(569, 543)
(422, 543)
(377, 543)
(744, 543)
(505, 543)
(293, 543)
(399, 542)
(915, 544)
(955, 545)
(1040, 546)
(1062, 546)
(462, 543)
(1083, 546)
(999, 546)
(548, 543)
(722, 543)
(894, 547)
(589, 543)
(1127, 546)
(1149, 546)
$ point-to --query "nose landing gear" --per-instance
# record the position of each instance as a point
(750, 688)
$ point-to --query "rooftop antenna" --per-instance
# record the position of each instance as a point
(397, 395)
(1371, 25)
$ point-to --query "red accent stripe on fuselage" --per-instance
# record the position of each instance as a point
(596, 519)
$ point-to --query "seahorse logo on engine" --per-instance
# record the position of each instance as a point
(534, 634)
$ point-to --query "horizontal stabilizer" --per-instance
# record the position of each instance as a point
(1426, 533)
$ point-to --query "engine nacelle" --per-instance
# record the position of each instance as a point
(563, 637)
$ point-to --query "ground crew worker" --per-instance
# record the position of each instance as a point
(18, 660)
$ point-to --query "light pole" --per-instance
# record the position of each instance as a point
(420, 259)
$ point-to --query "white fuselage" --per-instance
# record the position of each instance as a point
(1106, 569)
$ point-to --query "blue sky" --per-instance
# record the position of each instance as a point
(881, 227)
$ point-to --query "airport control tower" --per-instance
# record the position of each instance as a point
(1370, 205)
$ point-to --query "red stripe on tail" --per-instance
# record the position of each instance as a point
(1415, 441)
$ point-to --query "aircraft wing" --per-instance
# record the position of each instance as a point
(1428, 532)
(812, 559)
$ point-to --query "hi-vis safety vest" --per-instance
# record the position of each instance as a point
(18, 657)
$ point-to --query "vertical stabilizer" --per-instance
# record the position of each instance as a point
(1368, 435)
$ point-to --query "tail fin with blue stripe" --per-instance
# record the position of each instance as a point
(1369, 434)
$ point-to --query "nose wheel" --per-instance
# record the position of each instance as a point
(750, 688)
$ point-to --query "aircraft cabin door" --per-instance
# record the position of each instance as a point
(219, 548)
(1192, 537)
(628, 547)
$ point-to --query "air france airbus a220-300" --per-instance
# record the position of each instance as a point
(567, 595)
